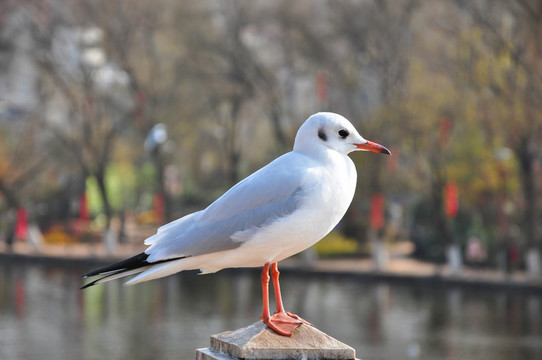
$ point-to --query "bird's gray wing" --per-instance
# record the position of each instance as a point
(267, 195)
(179, 226)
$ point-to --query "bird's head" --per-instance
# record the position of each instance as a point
(333, 131)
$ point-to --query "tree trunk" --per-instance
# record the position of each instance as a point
(233, 152)
(527, 160)
(9, 195)
(442, 224)
(160, 179)
(380, 252)
(12, 203)
(275, 114)
(100, 180)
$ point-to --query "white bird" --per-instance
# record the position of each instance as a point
(278, 211)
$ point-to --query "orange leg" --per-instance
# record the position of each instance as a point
(278, 298)
(265, 292)
(281, 322)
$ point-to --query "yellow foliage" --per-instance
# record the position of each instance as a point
(147, 218)
(4, 160)
(57, 236)
(336, 243)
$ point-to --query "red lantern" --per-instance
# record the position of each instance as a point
(84, 214)
(377, 211)
(451, 199)
(21, 224)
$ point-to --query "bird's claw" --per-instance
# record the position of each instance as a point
(297, 317)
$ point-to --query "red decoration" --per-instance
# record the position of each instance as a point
(158, 208)
(21, 224)
(451, 199)
(377, 211)
(84, 213)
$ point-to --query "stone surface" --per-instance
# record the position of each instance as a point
(209, 354)
(259, 342)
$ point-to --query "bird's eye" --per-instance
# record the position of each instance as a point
(343, 133)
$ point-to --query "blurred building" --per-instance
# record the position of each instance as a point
(18, 69)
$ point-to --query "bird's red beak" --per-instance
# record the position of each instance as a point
(374, 147)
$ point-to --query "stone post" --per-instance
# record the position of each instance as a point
(259, 342)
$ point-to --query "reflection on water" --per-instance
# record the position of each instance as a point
(44, 315)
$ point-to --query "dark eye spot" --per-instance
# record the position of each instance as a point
(322, 135)
(343, 133)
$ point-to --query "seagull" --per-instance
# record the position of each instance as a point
(278, 211)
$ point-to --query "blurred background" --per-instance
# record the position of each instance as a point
(119, 116)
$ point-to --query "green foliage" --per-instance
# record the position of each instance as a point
(121, 180)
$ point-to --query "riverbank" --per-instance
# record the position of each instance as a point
(401, 268)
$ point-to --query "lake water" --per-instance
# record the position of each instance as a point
(44, 315)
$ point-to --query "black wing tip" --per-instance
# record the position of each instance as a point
(88, 285)
(98, 281)
(134, 262)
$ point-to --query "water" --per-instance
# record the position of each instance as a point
(44, 315)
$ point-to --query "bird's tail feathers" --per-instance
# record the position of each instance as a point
(114, 275)
(130, 266)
